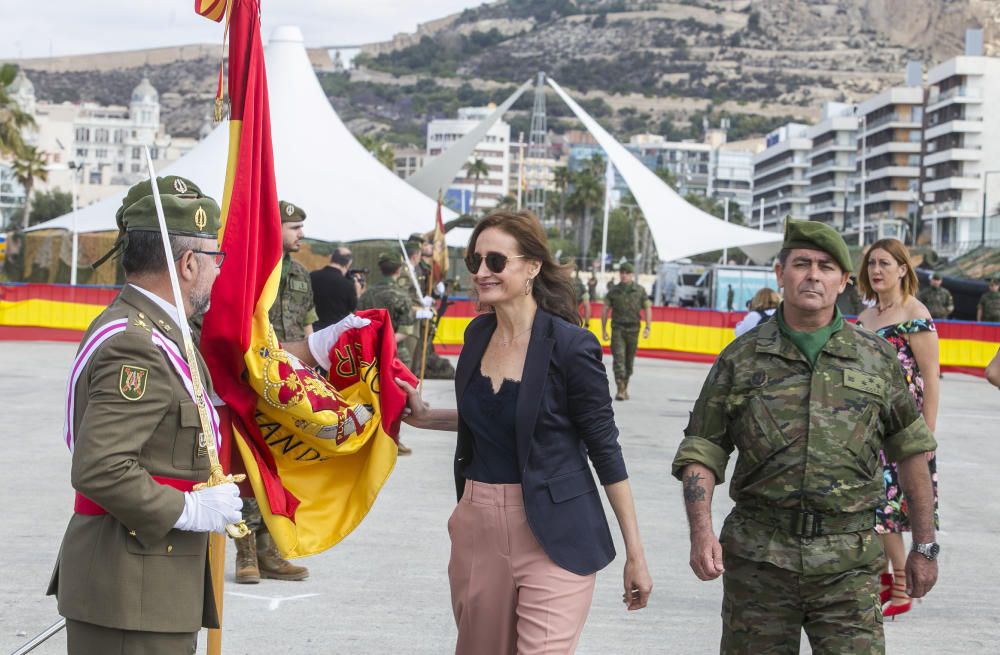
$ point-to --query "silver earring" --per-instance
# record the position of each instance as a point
(527, 286)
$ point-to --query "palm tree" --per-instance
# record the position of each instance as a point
(380, 150)
(476, 169)
(562, 180)
(508, 202)
(29, 166)
(588, 192)
(12, 118)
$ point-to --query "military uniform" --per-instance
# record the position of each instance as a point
(990, 304)
(387, 294)
(126, 579)
(438, 368)
(938, 301)
(626, 301)
(294, 307)
(799, 547)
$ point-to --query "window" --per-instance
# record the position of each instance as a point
(101, 135)
(136, 153)
(81, 152)
(121, 167)
(95, 177)
(119, 135)
(154, 152)
(82, 134)
(135, 168)
(102, 153)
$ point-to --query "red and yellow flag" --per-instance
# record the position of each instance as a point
(212, 9)
(439, 259)
(315, 457)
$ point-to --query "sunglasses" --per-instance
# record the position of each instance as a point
(217, 255)
(495, 262)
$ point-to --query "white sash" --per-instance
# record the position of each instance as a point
(170, 350)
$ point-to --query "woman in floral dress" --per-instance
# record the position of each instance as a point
(887, 277)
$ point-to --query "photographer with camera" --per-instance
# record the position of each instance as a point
(335, 290)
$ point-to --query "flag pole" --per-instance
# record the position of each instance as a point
(216, 476)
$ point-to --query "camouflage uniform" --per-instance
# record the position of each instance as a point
(293, 308)
(990, 304)
(438, 368)
(626, 301)
(799, 548)
(938, 301)
(387, 294)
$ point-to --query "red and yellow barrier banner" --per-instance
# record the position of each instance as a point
(677, 333)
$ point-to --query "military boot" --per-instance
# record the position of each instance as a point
(625, 388)
(621, 389)
(272, 565)
(246, 560)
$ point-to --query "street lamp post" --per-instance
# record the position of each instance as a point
(982, 235)
(864, 147)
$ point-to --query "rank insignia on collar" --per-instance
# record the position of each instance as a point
(132, 381)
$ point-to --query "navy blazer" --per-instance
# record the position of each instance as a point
(563, 416)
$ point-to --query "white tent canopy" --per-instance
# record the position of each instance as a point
(678, 228)
(347, 194)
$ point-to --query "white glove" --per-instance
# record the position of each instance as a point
(439, 288)
(424, 313)
(426, 301)
(211, 509)
(320, 342)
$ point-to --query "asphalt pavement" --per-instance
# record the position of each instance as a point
(385, 588)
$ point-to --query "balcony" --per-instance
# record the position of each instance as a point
(965, 125)
(825, 206)
(832, 165)
(909, 172)
(954, 154)
(786, 182)
(945, 183)
(936, 100)
(956, 208)
(836, 145)
(891, 195)
(895, 119)
(908, 147)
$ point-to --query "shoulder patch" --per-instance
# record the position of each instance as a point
(864, 382)
(132, 381)
(298, 285)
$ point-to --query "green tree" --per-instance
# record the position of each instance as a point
(588, 193)
(47, 205)
(12, 118)
(29, 166)
(476, 170)
(380, 150)
(507, 203)
(562, 181)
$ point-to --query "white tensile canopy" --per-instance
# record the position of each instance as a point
(678, 228)
(346, 193)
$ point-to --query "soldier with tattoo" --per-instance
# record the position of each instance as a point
(807, 400)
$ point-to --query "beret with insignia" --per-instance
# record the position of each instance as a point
(812, 235)
(291, 213)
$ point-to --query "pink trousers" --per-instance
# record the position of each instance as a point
(508, 596)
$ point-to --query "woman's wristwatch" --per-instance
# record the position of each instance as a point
(930, 551)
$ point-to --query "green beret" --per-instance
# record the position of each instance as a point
(186, 210)
(389, 256)
(936, 276)
(291, 213)
(817, 236)
(626, 268)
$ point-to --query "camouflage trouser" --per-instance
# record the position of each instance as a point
(251, 515)
(624, 341)
(438, 368)
(765, 609)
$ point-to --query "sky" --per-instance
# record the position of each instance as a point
(68, 27)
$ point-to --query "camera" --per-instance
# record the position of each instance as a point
(358, 274)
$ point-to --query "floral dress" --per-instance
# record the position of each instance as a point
(893, 515)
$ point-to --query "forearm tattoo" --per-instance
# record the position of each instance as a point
(693, 491)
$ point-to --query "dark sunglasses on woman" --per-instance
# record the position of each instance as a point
(495, 261)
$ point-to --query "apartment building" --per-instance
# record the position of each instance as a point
(780, 177)
(494, 150)
(832, 161)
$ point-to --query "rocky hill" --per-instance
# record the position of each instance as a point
(636, 65)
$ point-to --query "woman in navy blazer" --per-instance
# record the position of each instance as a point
(529, 531)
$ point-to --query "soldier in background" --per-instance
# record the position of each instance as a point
(799, 549)
(387, 294)
(936, 298)
(437, 367)
(849, 300)
(292, 316)
(989, 304)
(626, 301)
(582, 291)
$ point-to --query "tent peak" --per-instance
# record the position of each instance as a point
(287, 34)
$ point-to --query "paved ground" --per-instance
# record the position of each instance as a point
(385, 588)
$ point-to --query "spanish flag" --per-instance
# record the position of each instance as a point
(315, 457)
(439, 259)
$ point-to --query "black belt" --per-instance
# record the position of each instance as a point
(808, 523)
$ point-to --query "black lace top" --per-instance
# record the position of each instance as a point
(490, 417)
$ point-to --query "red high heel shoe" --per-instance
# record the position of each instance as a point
(898, 591)
(885, 588)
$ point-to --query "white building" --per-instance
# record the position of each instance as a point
(962, 153)
(408, 161)
(780, 177)
(102, 145)
(494, 150)
(731, 173)
(690, 162)
(831, 165)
